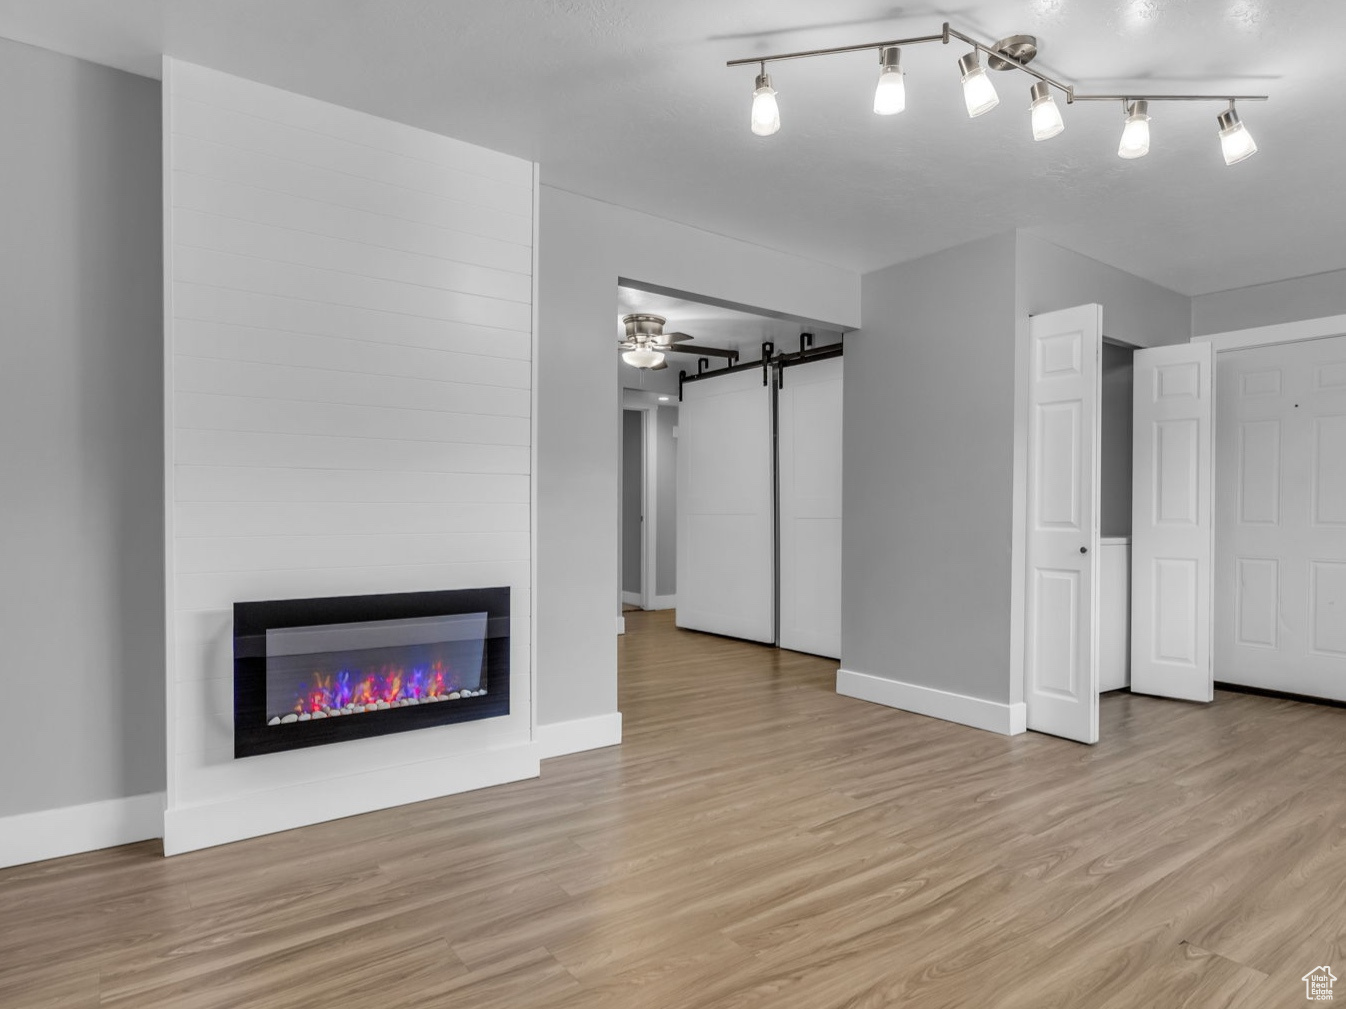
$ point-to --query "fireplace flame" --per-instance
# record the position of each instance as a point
(327, 691)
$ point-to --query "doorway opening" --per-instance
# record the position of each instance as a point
(729, 468)
(1117, 383)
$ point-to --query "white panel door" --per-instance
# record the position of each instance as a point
(1061, 639)
(809, 445)
(1280, 518)
(1171, 523)
(726, 539)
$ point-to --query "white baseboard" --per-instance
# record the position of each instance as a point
(621, 625)
(665, 603)
(560, 738)
(189, 828)
(631, 598)
(1006, 719)
(54, 833)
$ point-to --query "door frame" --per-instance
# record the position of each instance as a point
(649, 503)
(1300, 331)
(1322, 328)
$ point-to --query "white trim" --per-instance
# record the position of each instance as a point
(580, 734)
(170, 449)
(632, 599)
(532, 466)
(1285, 332)
(665, 603)
(649, 503)
(189, 828)
(55, 833)
(621, 625)
(1006, 719)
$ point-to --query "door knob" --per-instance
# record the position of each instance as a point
(1084, 550)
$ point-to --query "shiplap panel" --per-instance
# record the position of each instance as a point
(220, 590)
(207, 303)
(350, 371)
(210, 412)
(249, 132)
(196, 83)
(228, 164)
(267, 346)
(262, 206)
(325, 384)
(264, 484)
(270, 243)
(339, 518)
(295, 553)
(313, 283)
(248, 448)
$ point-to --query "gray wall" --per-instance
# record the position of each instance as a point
(585, 248)
(1314, 297)
(666, 535)
(928, 488)
(1118, 381)
(1135, 311)
(632, 472)
(81, 457)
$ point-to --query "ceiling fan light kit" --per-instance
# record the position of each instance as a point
(1015, 52)
(646, 343)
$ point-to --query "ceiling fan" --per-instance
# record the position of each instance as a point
(646, 343)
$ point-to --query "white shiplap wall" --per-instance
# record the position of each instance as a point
(349, 347)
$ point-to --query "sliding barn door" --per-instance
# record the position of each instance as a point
(1061, 640)
(1171, 523)
(726, 543)
(809, 444)
(1280, 537)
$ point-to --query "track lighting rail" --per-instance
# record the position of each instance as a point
(949, 33)
(980, 96)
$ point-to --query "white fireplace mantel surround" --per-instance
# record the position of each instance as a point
(349, 348)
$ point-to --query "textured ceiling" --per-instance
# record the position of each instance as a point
(629, 101)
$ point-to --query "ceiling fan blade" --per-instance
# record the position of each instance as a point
(658, 367)
(673, 338)
(702, 351)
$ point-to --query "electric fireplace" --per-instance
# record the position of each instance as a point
(314, 671)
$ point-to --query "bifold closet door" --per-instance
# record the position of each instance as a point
(1280, 518)
(726, 555)
(809, 443)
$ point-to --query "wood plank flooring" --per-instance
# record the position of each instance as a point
(757, 841)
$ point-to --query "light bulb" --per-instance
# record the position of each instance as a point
(890, 94)
(1235, 140)
(978, 91)
(1047, 121)
(1136, 133)
(765, 111)
(643, 357)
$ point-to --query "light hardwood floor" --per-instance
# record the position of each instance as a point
(757, 841)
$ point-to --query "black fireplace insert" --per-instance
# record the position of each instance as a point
(314, 671)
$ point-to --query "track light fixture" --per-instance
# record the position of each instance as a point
(765, 111)
(1047, 121)
(1136, 131)
(1235, 140)
(979, 94)
(890, 94)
